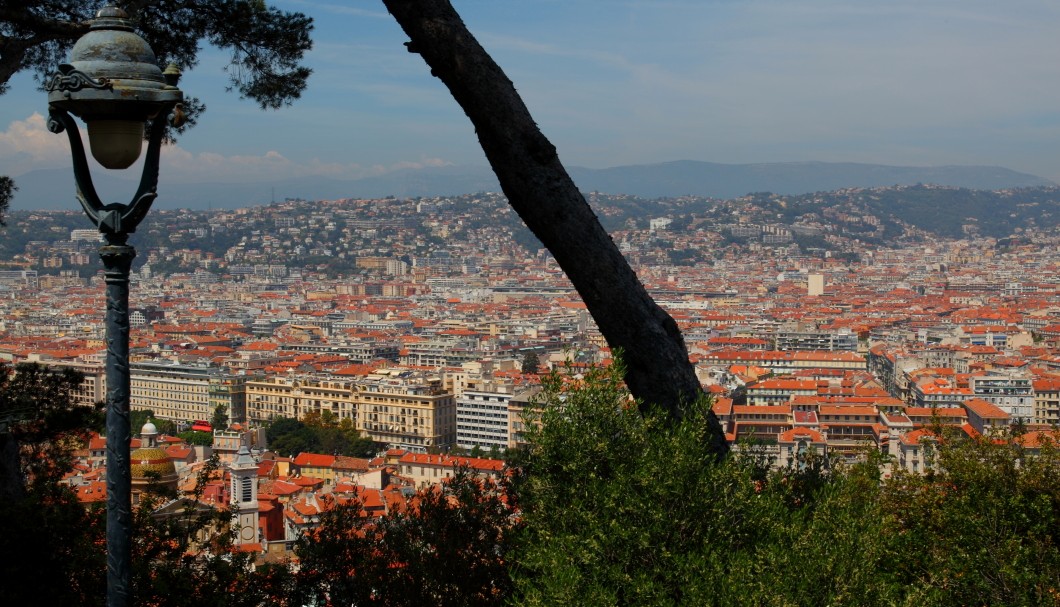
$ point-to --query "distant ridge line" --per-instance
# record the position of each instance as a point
(54, 188)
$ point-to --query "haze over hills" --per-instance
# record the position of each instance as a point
(54, 188)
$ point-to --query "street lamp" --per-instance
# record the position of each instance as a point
(114, 84)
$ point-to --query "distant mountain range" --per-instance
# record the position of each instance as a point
(54, 188)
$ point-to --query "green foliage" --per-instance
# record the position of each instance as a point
(620, 509)
(195, 437)
(55, 537)
(58, 543)
(267, 45)
(40, 426)
(984, 530)
(683, 257)
(318, 434)
(452, 541)
(447, 548)
(139, 417)
(337, 560)
(608, 506)
(615, 505)
(219, 419)
(184, 556)
(7, 192)
(530, 363)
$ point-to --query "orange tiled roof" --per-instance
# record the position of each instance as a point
(315, 460)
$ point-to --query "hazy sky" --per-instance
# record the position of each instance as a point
(902, 82)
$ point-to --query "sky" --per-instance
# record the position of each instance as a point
(613, 82)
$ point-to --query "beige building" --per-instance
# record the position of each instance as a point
(1047, 401)
(916, 451)
(785, 362)
(399, 408)
(172, 391)
(524, 409)
(93, 388)
(295, 397)
(814, 285)
(424, 469)
(407, 410)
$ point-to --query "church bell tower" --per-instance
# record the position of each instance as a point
(244, 496)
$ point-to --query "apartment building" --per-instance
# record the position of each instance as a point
(775, 391)
(1046, 401)
(93, 387)
(829, 341)
(1012, 393)
(915, 451)
(524, 409)
(406, 410)
(441, 352)
(399, 408)
(230, 392)
(937, 392)
(482, 415)
(297, 396)
(985, 417)
(172, 390)
(424, 469)
(786, 362)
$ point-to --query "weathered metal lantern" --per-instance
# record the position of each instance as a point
(114, 84)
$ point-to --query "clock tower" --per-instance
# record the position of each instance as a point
(244, 496)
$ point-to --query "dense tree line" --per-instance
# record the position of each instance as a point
(654, 522)
(318, 433)
(607, 506)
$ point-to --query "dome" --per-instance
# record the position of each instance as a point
(150, 464)
(151, 460)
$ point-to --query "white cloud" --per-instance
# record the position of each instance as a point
(27, 145)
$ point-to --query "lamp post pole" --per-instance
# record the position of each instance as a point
(114, 84)
(117, 262)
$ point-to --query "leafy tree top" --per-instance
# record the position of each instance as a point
(267, 44)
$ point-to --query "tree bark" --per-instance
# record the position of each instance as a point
(12, 483)
(543, 194)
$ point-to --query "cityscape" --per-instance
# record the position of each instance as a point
(413, 318)
(823, 371)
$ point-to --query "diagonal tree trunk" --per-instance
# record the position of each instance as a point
(546, 198)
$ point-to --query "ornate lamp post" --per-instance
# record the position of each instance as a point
(114, 84)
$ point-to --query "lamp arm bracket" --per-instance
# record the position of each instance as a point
(58, 121)
(116, 221)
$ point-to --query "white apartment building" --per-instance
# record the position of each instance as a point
(1013, 393)
(482, 415)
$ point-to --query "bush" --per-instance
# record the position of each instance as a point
(620, 508)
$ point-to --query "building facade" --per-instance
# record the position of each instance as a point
(482, 417)
(179, 392)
